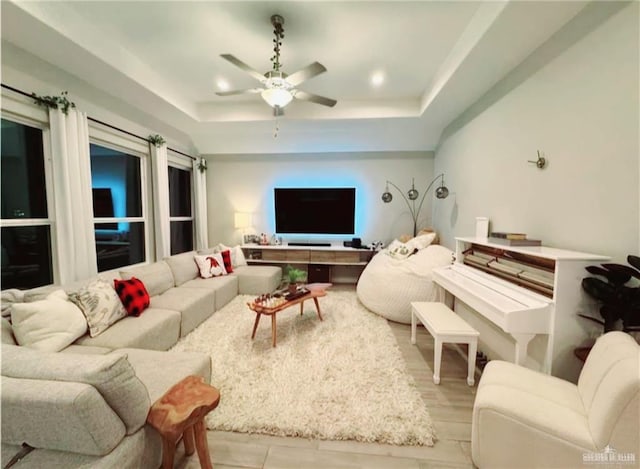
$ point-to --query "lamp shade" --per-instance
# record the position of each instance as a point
(276, 97)
(242, 220)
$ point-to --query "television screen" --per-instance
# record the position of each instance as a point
(315, 210)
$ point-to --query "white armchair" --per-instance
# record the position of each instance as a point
(522, 418)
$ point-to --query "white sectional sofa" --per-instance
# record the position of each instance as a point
(86, 405)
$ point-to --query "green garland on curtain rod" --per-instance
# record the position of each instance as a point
(54, 102)
(156, 140)
(202, 165)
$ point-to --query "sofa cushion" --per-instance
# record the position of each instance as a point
(58, 415)
(183, 267)
(156, 329)
(211, 265)
(175, 367)
(49, 324)
(225, 288)
(7, 333)
(143, 449)
(195, 305)
(111, 375)
(100, 305)
(157, 277)
(10, 297)
(237, 256)
(133, 295)
(258, 279)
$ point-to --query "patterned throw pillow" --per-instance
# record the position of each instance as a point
(226, 259)
(100, 305)
(399, 250)
(210, 265)
(133, 294)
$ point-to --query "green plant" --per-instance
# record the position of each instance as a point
(202, 165)
(617, 288)
(294, 275)
(54, 102)
(156, 140)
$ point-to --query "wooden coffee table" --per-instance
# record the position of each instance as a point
(316, 290)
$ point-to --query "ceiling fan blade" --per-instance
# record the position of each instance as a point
(304, 74)
(240, 64)
(235, 92)
(314, 98)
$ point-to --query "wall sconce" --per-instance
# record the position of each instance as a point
(441, 192)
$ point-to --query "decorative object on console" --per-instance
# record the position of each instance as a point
(619, 294)
(441, 192)
(278, 88)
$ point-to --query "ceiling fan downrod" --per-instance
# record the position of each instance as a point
(278, 31)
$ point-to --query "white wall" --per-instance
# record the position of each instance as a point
(581, 110)
(245, 183)
(28, 73)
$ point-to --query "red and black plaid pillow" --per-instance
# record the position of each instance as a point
(133, 294)
(226, 259)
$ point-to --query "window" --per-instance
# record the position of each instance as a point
(180, 209)
(26, 256)
(118, 208)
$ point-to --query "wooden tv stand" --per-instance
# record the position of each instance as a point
(320, 261)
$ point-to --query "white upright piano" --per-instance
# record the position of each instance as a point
(525, 292)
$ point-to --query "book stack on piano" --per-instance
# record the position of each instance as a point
(512, 239)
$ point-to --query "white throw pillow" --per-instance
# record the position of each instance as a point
(421, 241)
(399, 250)
(210, 265)
(100, 304)
(237, 256)
(48, 325)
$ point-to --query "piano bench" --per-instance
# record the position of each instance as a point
(445, 326)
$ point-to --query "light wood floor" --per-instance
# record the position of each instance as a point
(450, 405)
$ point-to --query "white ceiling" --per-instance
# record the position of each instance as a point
(164, 58)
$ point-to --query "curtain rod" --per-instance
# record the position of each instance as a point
(24, 93)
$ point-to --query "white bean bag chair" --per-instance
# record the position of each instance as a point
(388, 285)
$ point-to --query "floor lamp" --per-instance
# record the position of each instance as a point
(441, 192)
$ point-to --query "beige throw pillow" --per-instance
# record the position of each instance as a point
(49, 325)
(100, 304)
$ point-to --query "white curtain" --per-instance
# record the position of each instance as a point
(162, 225)
(200, 193)
(73, 201)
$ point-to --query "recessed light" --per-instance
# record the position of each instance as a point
(377, 78)
(223, 85)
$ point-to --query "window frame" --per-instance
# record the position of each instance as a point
(115, 140)
(23, 112)
(183, 163)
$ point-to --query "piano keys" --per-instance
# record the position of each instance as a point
(525, 291)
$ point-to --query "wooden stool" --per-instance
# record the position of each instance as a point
(181, 412)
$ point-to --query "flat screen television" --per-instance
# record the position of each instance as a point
(103, 207)
(315, 210)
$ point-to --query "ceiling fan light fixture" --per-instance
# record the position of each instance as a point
(276, 97)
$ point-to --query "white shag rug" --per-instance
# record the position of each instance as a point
(340, 379)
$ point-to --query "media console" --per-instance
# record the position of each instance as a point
(320, 261)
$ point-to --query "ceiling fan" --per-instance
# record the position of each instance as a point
(278, 88)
